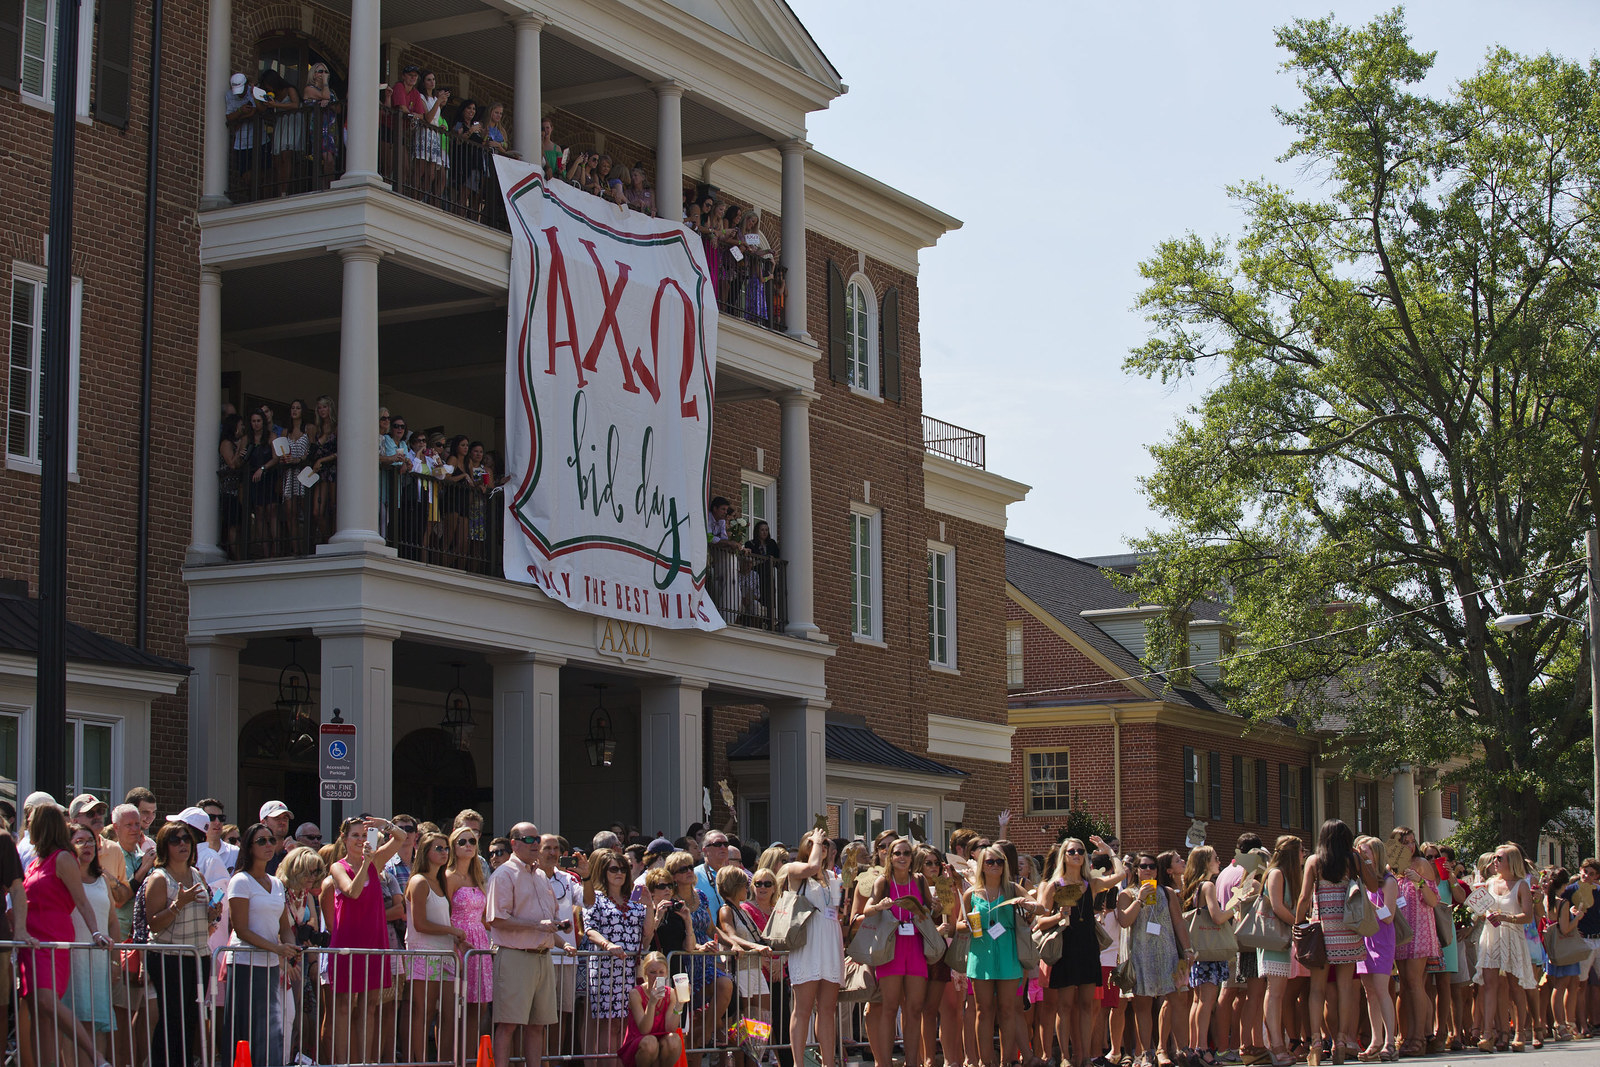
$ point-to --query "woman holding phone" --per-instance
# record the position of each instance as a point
(817, 968)
(359, 923)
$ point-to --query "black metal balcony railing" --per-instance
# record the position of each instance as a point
(953, 442)
(749, 590)
(751, 289)
(456, 524)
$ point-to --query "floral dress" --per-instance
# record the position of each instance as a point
(466, 914)
(610, 978)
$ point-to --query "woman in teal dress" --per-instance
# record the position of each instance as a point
(992, 964)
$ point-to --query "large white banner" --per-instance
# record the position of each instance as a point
(610, 356)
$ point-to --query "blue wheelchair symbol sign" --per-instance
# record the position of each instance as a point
(337, 750)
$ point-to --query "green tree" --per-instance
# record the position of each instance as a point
(1390, 450)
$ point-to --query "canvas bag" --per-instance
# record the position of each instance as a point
(860, 985)
(786, 928)
(1564, 949)
(1359, 915)
(1212, 942)
(1403, 933)
(955, 957)
(873, 944)
(1259, 927)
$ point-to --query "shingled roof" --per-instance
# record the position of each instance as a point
(19, 632)
(846, 742)
(1065, 586)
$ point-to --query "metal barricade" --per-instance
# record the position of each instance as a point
(130, 1005)
(730, 1002)
(340, 1006)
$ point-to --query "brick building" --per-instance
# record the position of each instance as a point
(1095, 722)
(315, 253)
(127, 723)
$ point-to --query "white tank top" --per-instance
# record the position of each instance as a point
(438, 912)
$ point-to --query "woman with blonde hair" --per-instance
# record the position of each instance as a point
(324, 456)
(1502, 948)
(1280, 888)
(903, 980)
(429, 929)
(992, 964)
(1066, 899)
(817, 968)
(302, 873)
(1205, 976)
(464, 885)
(1375, 968)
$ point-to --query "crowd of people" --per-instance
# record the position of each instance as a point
(1358, 948)
(277, 486)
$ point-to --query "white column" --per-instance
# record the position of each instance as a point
(1432, 828)
(1405, 797)
(526, 93)
(358, 405)
(357, 677)
(203, 490)
(798, 766)
(794, 506)
(669, 150)
(527, 740)
(214, 718)
(671, 778)
(793, 252)
(361, 98)
(219, 53)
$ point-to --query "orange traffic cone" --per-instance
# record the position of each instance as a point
(241, 1055)
(485, 1052)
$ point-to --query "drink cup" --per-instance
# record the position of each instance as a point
(681, 983)
(975, 923)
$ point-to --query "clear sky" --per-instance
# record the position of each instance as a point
(1070, 138)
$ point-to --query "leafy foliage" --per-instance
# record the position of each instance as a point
(1393, 450)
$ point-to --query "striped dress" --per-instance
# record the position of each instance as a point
(1344, 944)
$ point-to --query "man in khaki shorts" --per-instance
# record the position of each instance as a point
(523, 919)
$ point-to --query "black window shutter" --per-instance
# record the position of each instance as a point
(889, 344)
(1216, 786)
(836, 353)
(1283, 795)
(1262, 809)
(113, 68)
(1189, 775)
(10, 44)
(1305, 799)
(1238, 789)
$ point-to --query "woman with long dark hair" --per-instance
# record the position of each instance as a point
(299, 435)
(1281, 889)
(1328, 873)
(177, 904)
(429, 929)
(263, 488)
(91, 972)
(54, 889)
(263, 938)
(616, 925)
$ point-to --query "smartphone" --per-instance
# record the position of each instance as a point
(217, 896)
(661, 983)
(374, 837)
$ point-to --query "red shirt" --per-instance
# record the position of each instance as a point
(406, 99)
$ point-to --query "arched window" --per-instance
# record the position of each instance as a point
(861, 335)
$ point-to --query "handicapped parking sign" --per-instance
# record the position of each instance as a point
(336, 765)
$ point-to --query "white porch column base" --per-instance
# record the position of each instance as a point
(526, 94)
(204, 524)
(361, 103)
(797, 753)
(357, 678)
(214, 719)
(794, 508)
(669, 150)
(527, 740)
(793, 252)
(219, 55)
(358, 408)
(671, 777)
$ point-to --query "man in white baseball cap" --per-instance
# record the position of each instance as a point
(207, 861)
(277, 816)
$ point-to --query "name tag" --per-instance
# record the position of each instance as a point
(997, 931)
(908, 930)
(1383, 912)
(1401, 902)
(1153, 928)
(831, 913)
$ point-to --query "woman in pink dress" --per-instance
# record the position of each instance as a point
(904, 979)
(463, 883)
(359, 923)
(653, 1036)
(54, 889)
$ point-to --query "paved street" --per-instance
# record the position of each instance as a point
(1558, 1054)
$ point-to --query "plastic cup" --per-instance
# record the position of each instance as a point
(975, 923)
(681, 983)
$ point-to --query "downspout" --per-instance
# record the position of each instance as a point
(1116, 771)
(141, 581)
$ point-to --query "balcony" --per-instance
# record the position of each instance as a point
(955, 443)
(450, 525)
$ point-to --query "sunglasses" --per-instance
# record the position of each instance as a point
(405, 828)
(1147, 866)
(1074, 851)
(616, 870)
(763, 885)
(219, 817)
(994, 863)
(231, 840)
(469, 842)
(498, 853)
(527, 840)
(900, 852)
(440, 846)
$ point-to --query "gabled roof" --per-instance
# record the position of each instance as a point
(846, 742)
(1064, 587)
(19, 632)
(769, 26)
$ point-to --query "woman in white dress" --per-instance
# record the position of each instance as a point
(91, 969)
(816, 970)
(1502, 948)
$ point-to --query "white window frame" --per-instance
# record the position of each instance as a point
(1063, 791)
(75, 725)
(872, 584)
(76, 720)
(32, 462)
(1014, 680)
(860, 364)
(946, 554)
(749, 480)
(46, 97)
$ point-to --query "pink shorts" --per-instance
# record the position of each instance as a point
(908, 958)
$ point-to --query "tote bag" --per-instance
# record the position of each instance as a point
(786, 929)
(1259, 927)
(1212, 942)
